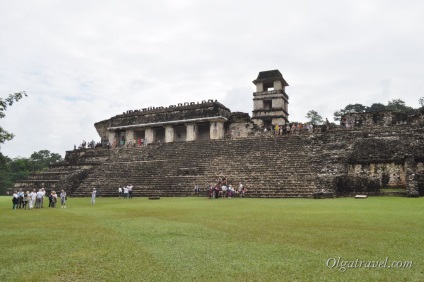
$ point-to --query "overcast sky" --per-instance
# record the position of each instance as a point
(85, 61)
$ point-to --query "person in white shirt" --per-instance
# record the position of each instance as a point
(32, 197)
(42, 199)
(130, 190)
(39, 199)
(120, 192)
(93, 196)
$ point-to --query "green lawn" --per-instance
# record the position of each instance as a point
(187, 239)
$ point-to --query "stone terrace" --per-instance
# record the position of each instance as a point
(268, 166)
(282, 166)
(68, 174)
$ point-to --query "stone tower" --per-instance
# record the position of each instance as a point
(270, 99)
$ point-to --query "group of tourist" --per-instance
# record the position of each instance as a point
(131, 143)
(29, 200)
(126, 191)
(294, 128)
(222, 189)
(92, 144)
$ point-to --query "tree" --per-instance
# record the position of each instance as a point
(4, 103)
(5, 181)
(17, 169)
(421, 101)
(42, 159)
(314, 117)
(355, 108)
(377, 107)
(398, 105)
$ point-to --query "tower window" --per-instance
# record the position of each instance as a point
(268, 86)
(267, 104)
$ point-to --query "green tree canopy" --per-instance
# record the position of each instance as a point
(398, 105)
(4, 103)
(377, 107)
(314, 117)
(14, 170)
(395, 105)
(351, 108)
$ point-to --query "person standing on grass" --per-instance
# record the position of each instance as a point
(63, 199)
(54, 199)
(120, 192)
(93, 196)
(130, 190)
(26, 199)
(125, 192)
(39, 199)
(50, 199)
(42, 199)
(15, 200)
(32, 197)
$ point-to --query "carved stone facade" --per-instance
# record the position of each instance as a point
(184, 122)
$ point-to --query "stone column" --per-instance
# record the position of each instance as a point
(169, 133)
(149, 135)
(111, 136)
(129, 136)
(410, 177)
(191, 132)
(217, 130)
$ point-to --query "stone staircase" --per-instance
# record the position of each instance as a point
(68, 174)
(268, 166)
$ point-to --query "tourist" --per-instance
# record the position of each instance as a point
(243, 192)
(210, 190)
(277, 129)
(196, 189)
(20, 198)
(288, 128)
(63, 199)
(130, 191)
(32, 197)
(119, 192)
(42, 199)
(223, 191)
(15, 200)
(26, 200)
(230, 191)
(54, 199)
(93, 196)
(240, 189)
(50, 199)
(216, 191)
(125, 192)
(39, 199)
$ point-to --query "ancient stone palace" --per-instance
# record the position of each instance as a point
(167, 151)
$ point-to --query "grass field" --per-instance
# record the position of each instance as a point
(196, 239)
